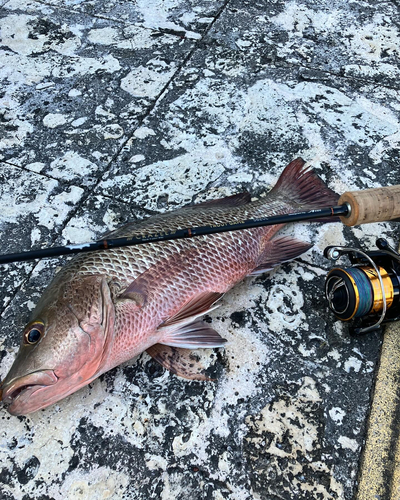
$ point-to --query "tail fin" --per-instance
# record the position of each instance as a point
(302, 186)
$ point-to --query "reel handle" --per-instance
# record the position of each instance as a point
(371, 205)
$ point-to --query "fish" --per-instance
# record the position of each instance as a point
(106, 307)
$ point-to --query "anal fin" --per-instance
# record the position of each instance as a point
(181, 362)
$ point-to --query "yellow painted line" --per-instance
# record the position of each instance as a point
(379, 477)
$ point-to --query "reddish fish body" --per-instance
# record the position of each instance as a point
(106, 307)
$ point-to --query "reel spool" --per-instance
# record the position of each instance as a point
(368, 292)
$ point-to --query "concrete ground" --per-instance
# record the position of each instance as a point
(112, 110)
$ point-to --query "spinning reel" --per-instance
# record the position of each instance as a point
(368, 292)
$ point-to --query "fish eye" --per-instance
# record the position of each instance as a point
(34, 333)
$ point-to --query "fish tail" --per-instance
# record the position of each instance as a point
(302, 186)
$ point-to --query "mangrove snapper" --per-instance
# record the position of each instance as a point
(105, 307)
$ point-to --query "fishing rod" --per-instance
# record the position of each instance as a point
(107, 244)
(355, 207)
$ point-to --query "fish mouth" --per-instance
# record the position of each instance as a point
(17, 392)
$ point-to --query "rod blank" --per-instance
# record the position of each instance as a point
(179, 234)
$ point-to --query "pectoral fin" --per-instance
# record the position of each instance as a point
(181, 362)
(136, 294)
(199, 305)
(192, 336)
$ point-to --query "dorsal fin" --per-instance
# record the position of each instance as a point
(236, 200)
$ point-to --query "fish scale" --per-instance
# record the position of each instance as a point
(106, 307)
(170, 290)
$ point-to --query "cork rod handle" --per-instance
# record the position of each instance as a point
(372, 205)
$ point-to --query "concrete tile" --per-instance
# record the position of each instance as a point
(34, 210)
(182, 18)
(74, 86)
(352, 39)
(12, 277)
(273, 116)
(35, 206)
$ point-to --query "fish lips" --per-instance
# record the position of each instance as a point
(18, 392)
